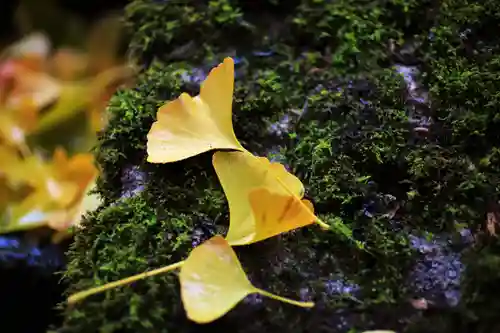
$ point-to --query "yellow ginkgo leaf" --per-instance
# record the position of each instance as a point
(240, 173)
(213, 282)
(188, 126)
(276, 213)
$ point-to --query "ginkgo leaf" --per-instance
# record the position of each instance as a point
(213, 282)
(275, 213)
(240, 173)
(188, 126)
(211, 278)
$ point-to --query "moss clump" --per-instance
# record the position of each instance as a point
(353, 147)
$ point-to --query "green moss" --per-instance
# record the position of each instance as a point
(352, 146)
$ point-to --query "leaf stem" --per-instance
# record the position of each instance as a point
(88, 292)
(284, 299)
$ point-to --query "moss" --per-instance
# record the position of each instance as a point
(321, 68)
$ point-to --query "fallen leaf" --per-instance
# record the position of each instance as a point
(79, 169)
(67, 64)
(9, 160)
(240, 173)
(46, 184)
(101, 89)
(69, 81)
(188, 126)
(33, 46)
(58, 188)
(64, 219)
(211, 278)
(72, 99)
(213, 282)
(276, 214)
(16, 124)
(31, 84)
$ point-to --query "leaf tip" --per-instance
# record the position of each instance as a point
(228, 61)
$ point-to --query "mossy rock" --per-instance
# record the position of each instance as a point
(315, 89)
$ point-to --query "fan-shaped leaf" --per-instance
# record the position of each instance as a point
(213, 282)
(275, 213)
(188, 126)
(241, 173)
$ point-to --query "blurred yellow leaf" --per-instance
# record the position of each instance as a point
(40, 175)
(72, 99)
(68, 64)
(58, 188)
(9, 160)
(188, 126)
(64, 219)
(213, 282)
(69, 81)
(16, 124)
(90, 95)
(244, 177)
(101, 89)
(79, 169)
(39, 88)
(4, 193)
(27, 81)
(35, 46)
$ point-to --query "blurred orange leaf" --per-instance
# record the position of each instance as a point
(57, 187)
